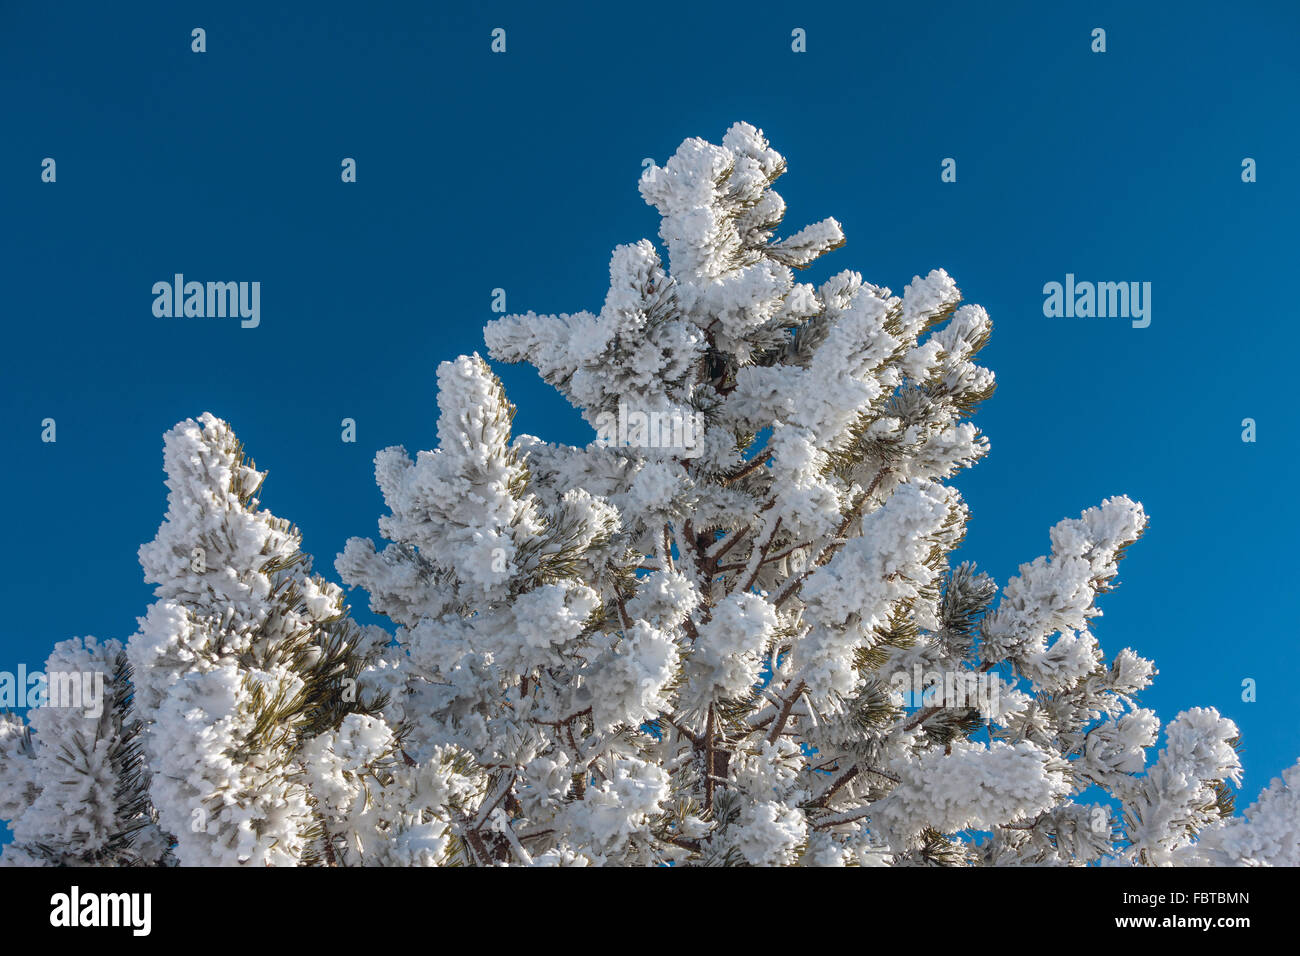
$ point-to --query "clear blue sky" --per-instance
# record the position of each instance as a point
(519, 171)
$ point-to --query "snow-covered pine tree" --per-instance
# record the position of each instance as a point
(73, 786)
(688, 651)
(691, 641)
(232, 744)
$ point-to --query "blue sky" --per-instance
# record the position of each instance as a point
(518, 171)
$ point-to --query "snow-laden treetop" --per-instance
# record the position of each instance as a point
(725, 631)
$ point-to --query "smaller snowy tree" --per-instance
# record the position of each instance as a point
(73, 784)
(263, 745)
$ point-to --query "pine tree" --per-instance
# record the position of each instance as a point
(74, 787)
(728, 631)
